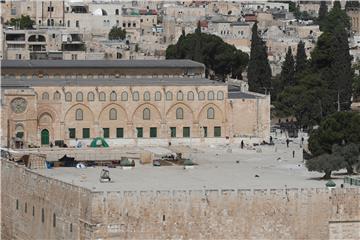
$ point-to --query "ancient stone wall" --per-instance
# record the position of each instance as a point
(30, 203)
(196, 214)
(229, 214)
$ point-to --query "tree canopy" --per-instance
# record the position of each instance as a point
(352, 5)
(339, 128)
(323, 10)
(24, 22)
(219, 57)
(325, 163)
(335, 144)
(323, 85)
(335, 17)
(116, 33)
(259, 71)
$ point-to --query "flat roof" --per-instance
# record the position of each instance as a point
(217, 169)
(247, 95)
(43, 82)
(170, 63)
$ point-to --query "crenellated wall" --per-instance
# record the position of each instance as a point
(196, 214)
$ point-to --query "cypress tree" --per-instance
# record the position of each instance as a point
(198, 27)
(323, 10)
(301, 58)
(287, 70)
(335, 17)
(341, 68)
(259, 71)
(352, 5)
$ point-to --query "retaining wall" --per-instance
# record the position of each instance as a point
(196, 214)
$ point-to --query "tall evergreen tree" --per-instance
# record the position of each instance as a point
(323, 10)
(287, 70)
(259, 71)
(335, 17)
(198, 27)
(198, 48)
(301, 58)
(349, 5)
(341, 69)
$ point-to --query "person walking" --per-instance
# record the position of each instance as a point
(242, 144)
(287, 142)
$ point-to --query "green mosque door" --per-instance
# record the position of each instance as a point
(44, 137)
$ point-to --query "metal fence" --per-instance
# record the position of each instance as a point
(352, 181)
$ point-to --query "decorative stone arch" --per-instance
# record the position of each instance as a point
(105, 109)
(45, 119)
(76, 106)
(216, 108)
(182, 105)
(150, 106)
(49, 111)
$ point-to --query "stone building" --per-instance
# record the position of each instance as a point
(150, 101)
(354, 15)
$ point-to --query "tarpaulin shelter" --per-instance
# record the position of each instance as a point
(99, 142)
(67, 161)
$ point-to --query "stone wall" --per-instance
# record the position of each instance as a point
(25, 194)
(202, 214)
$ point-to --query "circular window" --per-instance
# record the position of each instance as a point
(18, 105)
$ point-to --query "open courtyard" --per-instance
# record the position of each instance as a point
(219, 167)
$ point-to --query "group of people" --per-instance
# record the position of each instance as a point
(272, 143)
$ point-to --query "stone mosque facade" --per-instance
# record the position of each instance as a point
(126, 102)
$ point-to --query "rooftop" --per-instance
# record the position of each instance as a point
(171, 63)
(247, 95)
(40, 82)
(217, 169)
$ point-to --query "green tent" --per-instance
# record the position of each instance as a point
(330, 184)
(99, 142)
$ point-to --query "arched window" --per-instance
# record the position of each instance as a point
(19, 129)
(211, 95)
(113, 96)
(201, 96)
(124, 96)
(57, 96)
(179, 113)
(220, 95)
(190, 96)
(157, 96)
(79, 114)
(169, 96)
(146, 96)
(135, 96)
(146, 114)
(210, 113)
(45, 96)
(102, 96)
(179, 96)
(79, 97)
(113, 114)
(68, 97)
(91, 97)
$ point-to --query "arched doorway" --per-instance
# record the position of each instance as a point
(45, 137)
